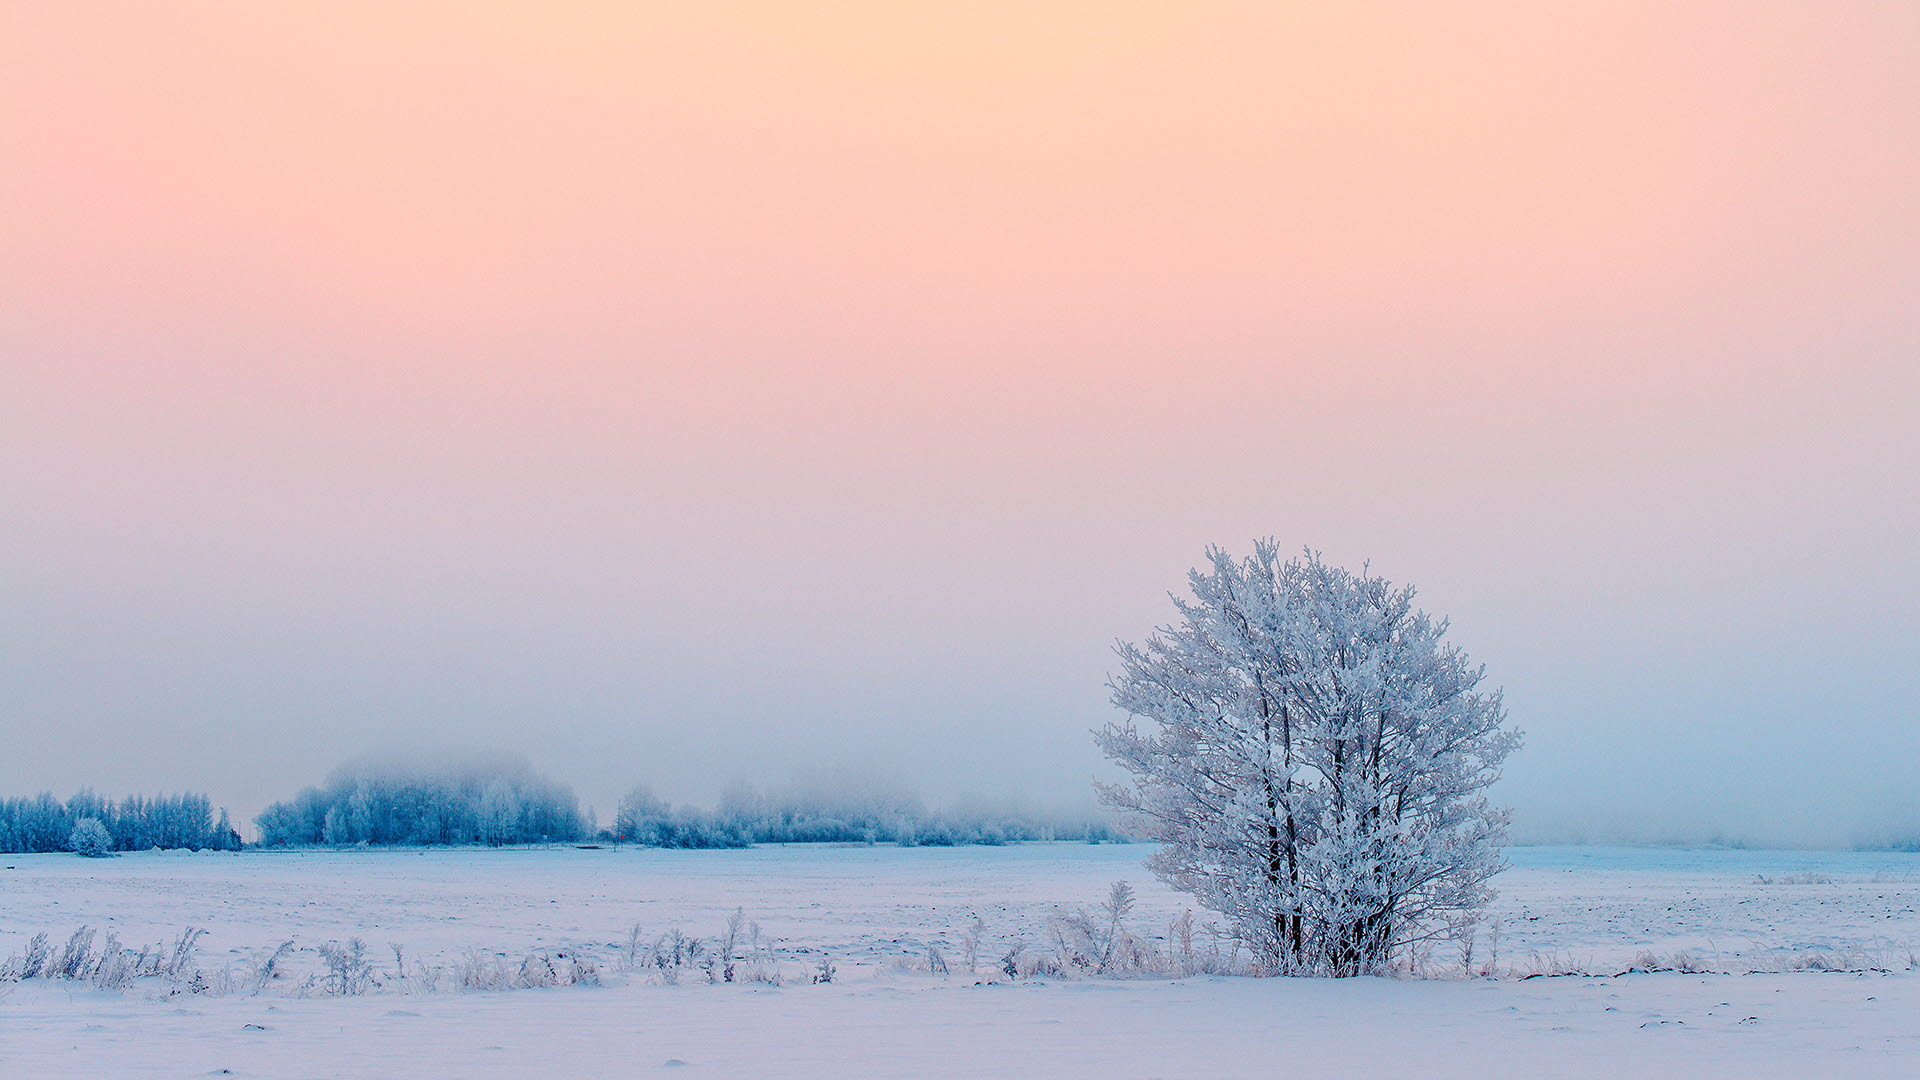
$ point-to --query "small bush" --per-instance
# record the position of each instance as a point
(90, 839)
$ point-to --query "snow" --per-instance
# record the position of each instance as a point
(874, 909)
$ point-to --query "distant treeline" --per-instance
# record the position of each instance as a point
(845, 810)
(499, 801)
(135, 823)
(492, 801)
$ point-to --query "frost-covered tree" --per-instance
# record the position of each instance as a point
(639, 817)
(225, 837)
(1316, 762)
(499, 813)
(90, 838)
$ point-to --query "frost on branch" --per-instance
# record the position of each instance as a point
(1315, 762)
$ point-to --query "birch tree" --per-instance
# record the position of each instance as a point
(1314, 761)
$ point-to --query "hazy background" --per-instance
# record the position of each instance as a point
(682, 392)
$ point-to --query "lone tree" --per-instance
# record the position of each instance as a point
(1317, 761)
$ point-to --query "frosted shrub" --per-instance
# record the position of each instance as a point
(728, 944)
(90, 839)
(1117, 945)
(349, 970)
(1074, 948)
(265, 970)
(759, 965)
(741, 953)
(1010, 960)
(476, 972)
(538, 971)
(535, 971)
(74, 961)
(176, 961)
(424, 979)
(970, 943)
(1185, 956)
(1844, 960)
(1087, 944)
(113, 968)
(668, 957)
(630, 955)
(33, 961)
(419, 979)
(582, 971)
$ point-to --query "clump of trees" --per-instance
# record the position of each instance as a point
(135, 823)
(491, 800)
(651, 822)
(1316, 762)
(844, 807)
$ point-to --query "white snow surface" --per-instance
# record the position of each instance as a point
(874, 911)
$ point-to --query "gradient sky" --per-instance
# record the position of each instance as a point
(682, 392)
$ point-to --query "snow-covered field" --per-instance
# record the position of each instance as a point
(874, 912)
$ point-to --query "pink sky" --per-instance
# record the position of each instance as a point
(389, 376)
